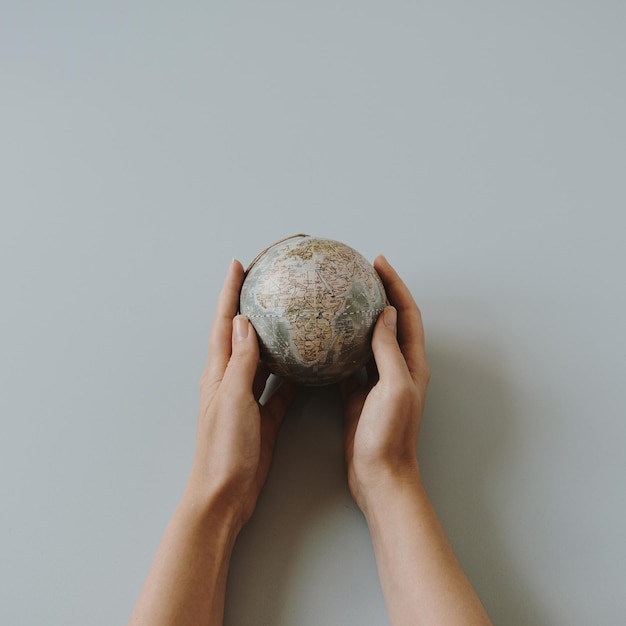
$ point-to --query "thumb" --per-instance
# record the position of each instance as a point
(244, 358)
(387, 354)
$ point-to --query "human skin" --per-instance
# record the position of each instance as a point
(421, 579)
(235, 439)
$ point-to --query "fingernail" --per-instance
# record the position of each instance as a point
(390, 317)
(240, 327)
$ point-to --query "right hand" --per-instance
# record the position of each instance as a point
(383, 415)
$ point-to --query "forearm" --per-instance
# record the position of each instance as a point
(186, 582)
(422, 581)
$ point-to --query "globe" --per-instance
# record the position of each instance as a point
(313, 303)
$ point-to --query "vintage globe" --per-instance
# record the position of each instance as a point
(313, 303)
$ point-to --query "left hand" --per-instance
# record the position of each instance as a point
(383, 416)
(236, 434)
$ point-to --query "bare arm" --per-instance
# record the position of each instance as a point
(422, 581)
(236, 435)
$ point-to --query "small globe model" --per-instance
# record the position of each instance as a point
(313, 303)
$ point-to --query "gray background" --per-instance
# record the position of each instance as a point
(480, 146)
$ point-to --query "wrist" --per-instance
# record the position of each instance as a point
(387, 486)
(213, 504)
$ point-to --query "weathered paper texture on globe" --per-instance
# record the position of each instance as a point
(313, 303)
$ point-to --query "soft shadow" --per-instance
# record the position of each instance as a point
(467, 443)
(306, 483)
(468, 438)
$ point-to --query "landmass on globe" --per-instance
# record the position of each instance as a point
(313, 303)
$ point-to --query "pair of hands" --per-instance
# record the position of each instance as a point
(421, 579)
(236, 434)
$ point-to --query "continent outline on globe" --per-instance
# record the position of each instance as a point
(313, 303)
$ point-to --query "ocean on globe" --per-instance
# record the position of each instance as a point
(313, 303)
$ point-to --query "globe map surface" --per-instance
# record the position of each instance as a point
(313, 303)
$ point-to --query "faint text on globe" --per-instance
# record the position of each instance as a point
(313, 303)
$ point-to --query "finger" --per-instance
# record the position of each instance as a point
(353, 394)
(410, 327)
(348, 387)
(260, 380)
(272, 416)
(371, 372)
(220, 339)
(275, 408)
(242, 365)
(390, 360)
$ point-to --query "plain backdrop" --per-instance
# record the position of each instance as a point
(481, 146)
